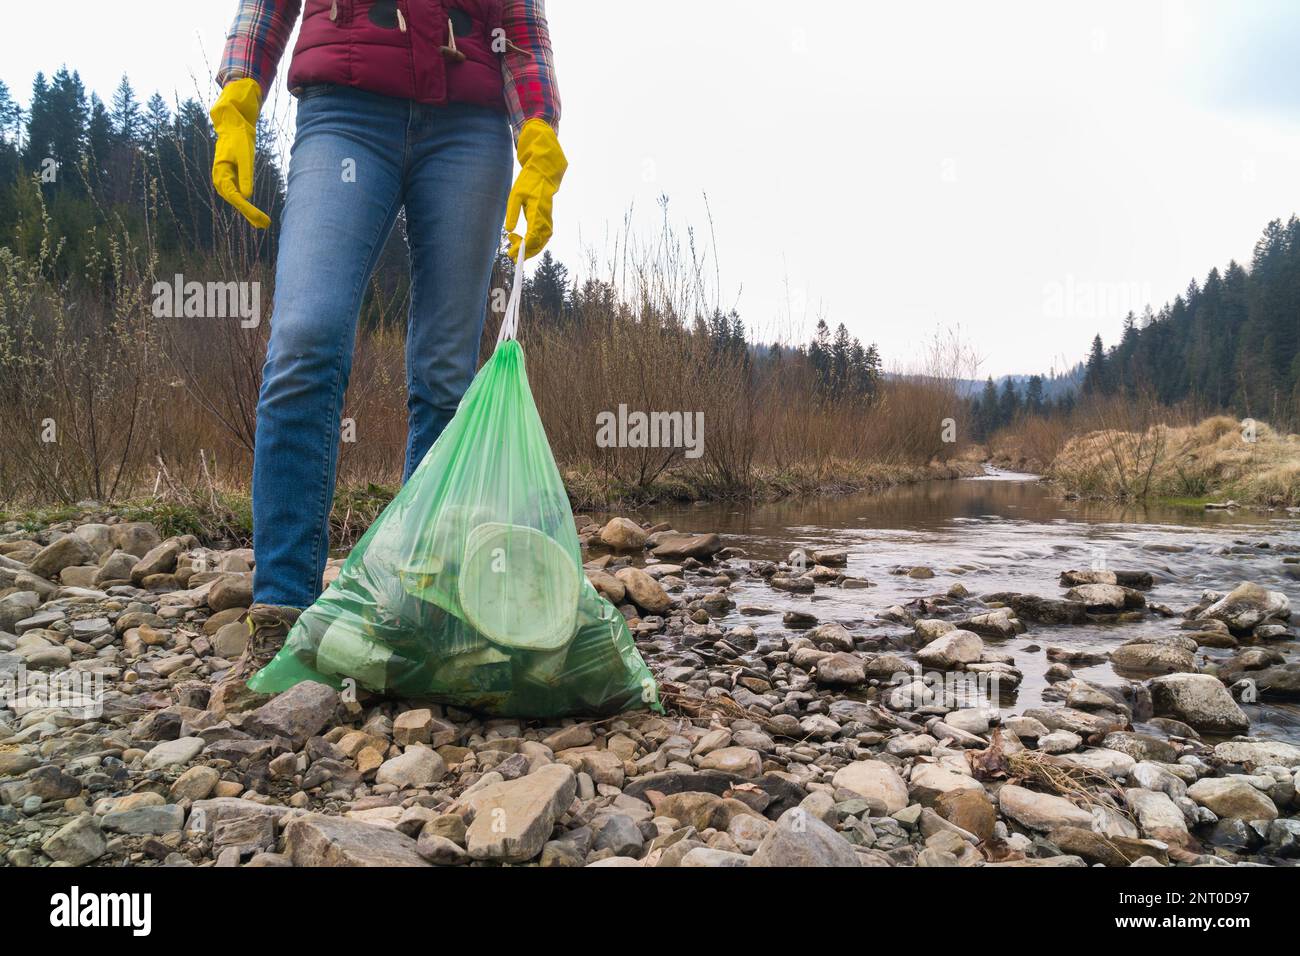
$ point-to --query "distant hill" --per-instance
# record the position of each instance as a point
(1055, 387)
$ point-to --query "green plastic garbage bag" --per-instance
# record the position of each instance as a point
(469, 588)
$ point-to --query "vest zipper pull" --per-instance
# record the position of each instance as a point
(401, 20)
(334, 10)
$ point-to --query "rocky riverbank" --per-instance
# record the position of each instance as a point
(785, 741)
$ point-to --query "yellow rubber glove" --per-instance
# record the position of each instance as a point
(542, 165)
(234, 117)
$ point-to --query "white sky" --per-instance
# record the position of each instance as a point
(1026, 171)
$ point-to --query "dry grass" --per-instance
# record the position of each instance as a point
(1215, 459)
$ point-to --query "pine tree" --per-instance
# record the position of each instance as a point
(157, 120)
(841, 350)
(1034, 395)
(991, 412)
(127, 121)
(1008, 403)
(100, 142)
(56, 127)
(1094, 377)
(819, 354)
(547, 290)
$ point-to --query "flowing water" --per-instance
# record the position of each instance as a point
(1010, 532)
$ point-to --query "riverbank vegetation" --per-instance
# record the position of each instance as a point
(1212, 462)
(104, 397)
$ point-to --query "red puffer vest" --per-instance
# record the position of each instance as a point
(430, 51)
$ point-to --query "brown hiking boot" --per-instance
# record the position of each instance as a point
(268, 626)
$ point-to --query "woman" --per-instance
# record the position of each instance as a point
(400, 103)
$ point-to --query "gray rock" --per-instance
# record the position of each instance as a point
(160, 559)
(170, 753)
(952, 650)
(298, 713)
(513, 819)
(1041, 811)
(1232, 797)
(1200, 700)
(77, 843)
(1248, 605)
(677, 547)
(68, 551)
(440, 851)
(417, 767)
(703, 856)
(874, 780)
(315, 839)
(135, 537)
(840, 670)
(619, 834)
(800, 839)
(1259, 753)
(155, 820)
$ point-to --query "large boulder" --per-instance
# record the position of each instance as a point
(930, 782)
(136, 537)
(952, 650)
(300, 712)
(1248, 605)
(1158, 816)
(1232, 797)
(1259, 753)
(840, 670)
(608, 586)
(416, 767)
(874, 780)
(160, 559)
(1106, 598)
(231, 591)
(1199, 700)
(622, 534)
(645, 592)
(77, 843)
(1158, 657)
(799, 839)
(1112, 850)
(319, 840)
(1040, 811)
(67, 552)
(514, 818)
(742, 761)
(116, 567)
(677, 547)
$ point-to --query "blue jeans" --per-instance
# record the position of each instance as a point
(357, 159)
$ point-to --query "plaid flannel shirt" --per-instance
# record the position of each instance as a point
(260, 34)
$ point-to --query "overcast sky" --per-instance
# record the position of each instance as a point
(1025, 171)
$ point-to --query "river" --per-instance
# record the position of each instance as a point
(1010, 532)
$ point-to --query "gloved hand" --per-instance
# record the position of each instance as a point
(542, 165)
(234, 117)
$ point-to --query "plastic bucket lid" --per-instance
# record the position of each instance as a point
(519, 588)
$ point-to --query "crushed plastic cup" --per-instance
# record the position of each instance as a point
(519, 588)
